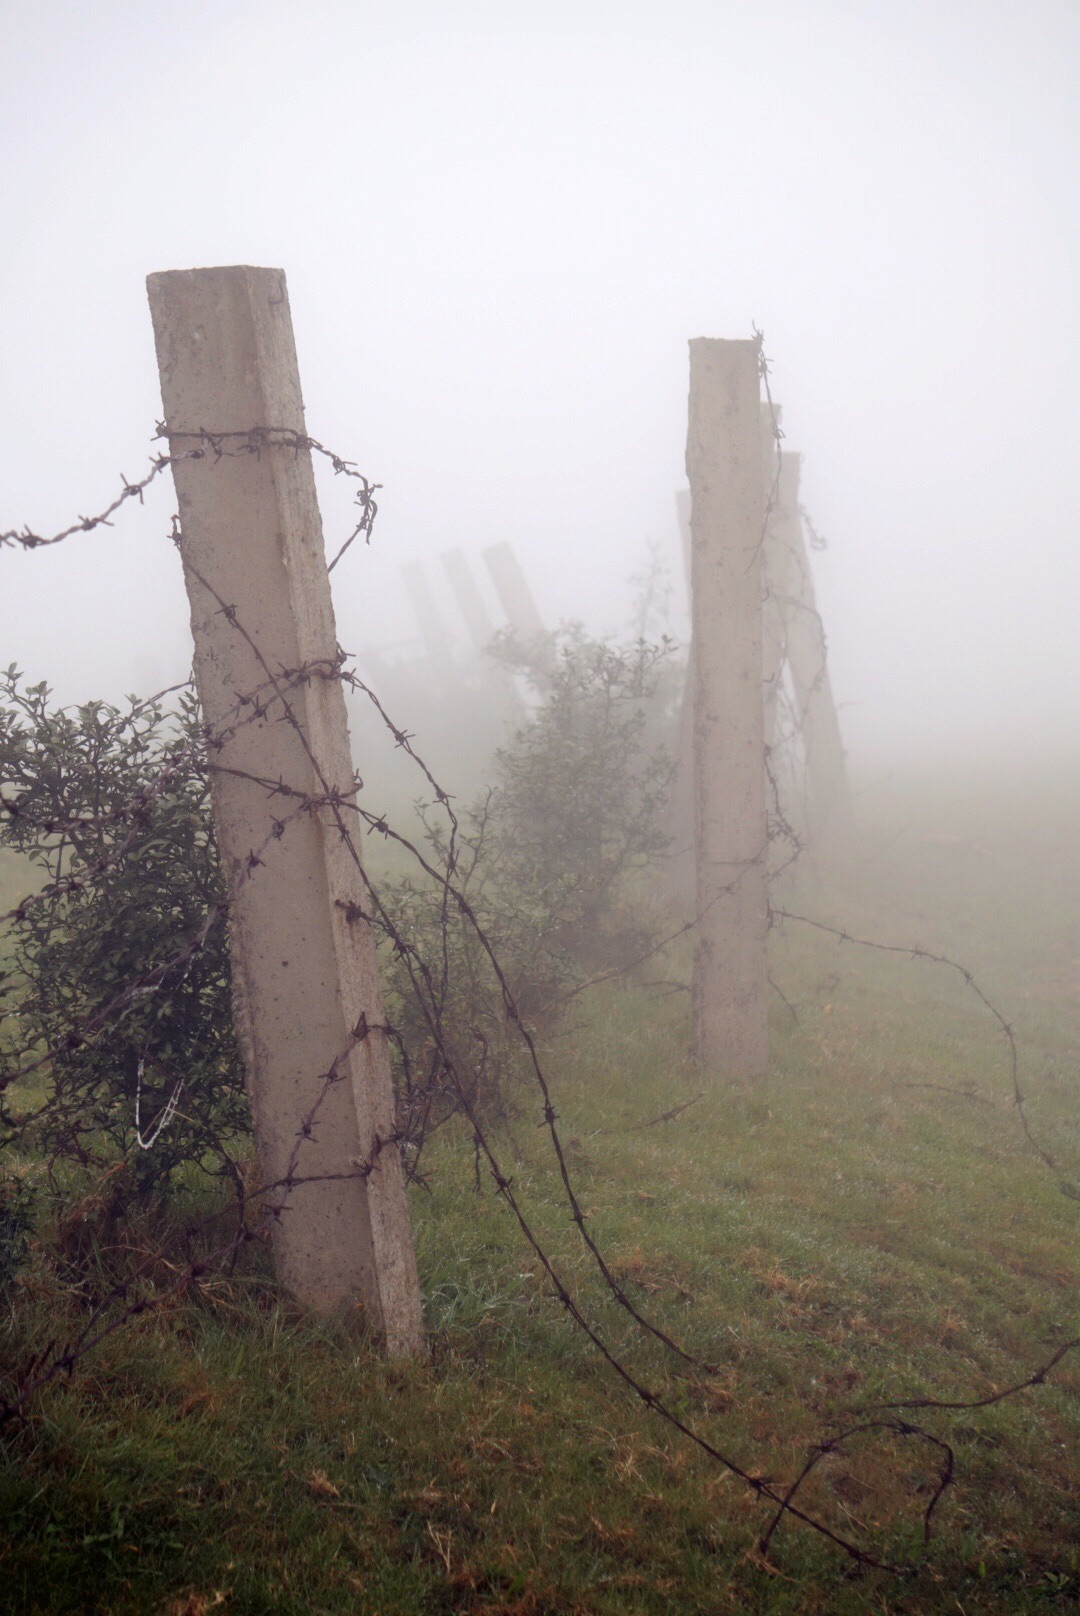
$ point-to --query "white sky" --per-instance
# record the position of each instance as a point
(500, 225)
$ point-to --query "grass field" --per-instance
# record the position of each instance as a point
(868, 1225)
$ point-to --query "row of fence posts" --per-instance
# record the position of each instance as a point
(511, 586)
(754, 617)
(308, 1007)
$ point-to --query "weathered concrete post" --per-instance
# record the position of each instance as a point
(304, 969)
(506, 708)
(723, 462)
(515, 596)
(830, 813)
(470, 601)
(795, 637)
(433, 635)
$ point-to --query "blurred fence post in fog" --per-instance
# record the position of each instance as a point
(307, 1000)
(679, 882)
(724, 467)
(515, 596)
(433, 633)
(796, 622)
(509, 708)
(474, 613)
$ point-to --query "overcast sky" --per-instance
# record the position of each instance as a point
(500, 225)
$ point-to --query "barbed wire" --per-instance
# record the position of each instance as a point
(430, 983)
(818, 541)
(917, 952)
(221, 445)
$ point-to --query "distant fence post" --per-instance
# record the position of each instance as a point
(515, 596)
(724, 466)
(470, 601)
(775, 570)
(433, 635)
(829, 807)
(309, 1010)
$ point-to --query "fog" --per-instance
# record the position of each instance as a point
(500, 225)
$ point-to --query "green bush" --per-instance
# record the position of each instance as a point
(16, 1223)
(578, 813)
(115, 990)
(551, 861)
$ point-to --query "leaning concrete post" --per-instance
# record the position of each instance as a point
(309, 1012)
(723, 462)
(470, 601)
(433, 633)
(515, 596)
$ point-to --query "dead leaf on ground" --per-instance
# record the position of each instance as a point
(194, 1604)
(320, 1485)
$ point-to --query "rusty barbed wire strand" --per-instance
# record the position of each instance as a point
(221, 445)
(1037, 1379)
(337, 804)
(917, 952)
(818, 541)
(834, 1444)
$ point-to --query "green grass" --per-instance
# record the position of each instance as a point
(869, 1224)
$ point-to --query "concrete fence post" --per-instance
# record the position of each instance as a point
(829, 806)
(724, 466)
(795, 639)
(433, 634)
(309, 1010)
(515, 596)
(474, 613)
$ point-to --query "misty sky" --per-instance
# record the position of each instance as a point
(500, 225)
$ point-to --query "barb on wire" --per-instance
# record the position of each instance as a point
(27, 539)
(255, 439)
(251, 441)
(1039, 1378)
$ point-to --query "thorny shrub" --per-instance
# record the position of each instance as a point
(111, 807)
